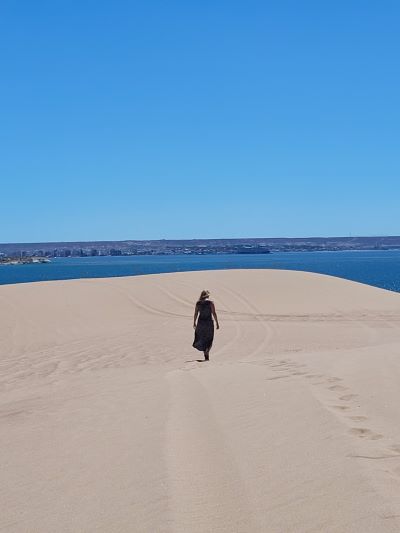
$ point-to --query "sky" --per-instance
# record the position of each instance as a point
(200, 119)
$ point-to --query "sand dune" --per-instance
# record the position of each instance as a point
(109, 424)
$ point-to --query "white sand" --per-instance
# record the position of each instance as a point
(108, 423)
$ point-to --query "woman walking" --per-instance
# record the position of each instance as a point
(203, 324)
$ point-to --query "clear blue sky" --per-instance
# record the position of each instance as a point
(190, 119)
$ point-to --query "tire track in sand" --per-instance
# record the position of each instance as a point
(269, 332)
(146, 307)
(205, 489)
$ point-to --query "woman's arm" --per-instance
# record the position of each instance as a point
(196, 313)
(214, 314)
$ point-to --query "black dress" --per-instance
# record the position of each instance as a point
(204, 333)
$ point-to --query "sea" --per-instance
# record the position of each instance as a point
(378, 268)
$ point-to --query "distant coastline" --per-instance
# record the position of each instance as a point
(22, 251)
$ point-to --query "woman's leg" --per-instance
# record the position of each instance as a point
(207, 354)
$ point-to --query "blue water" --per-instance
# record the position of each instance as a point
(379, 268)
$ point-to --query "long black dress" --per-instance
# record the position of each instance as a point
(204, 333)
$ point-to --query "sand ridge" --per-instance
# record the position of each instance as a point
(109, 422)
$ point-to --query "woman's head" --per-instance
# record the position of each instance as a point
(204, 295)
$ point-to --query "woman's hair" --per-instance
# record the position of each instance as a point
(204, 295)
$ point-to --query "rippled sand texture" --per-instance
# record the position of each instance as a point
(109, 424)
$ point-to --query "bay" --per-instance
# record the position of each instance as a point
(378, 268)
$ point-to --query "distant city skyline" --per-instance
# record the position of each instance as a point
(177, 246)
(197, 120)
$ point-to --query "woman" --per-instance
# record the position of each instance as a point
(204, 325)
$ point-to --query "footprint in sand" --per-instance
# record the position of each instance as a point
(334, 380)
(341, 407)
(366, 433)
(337, 387)
(358, 418)
(347, 397)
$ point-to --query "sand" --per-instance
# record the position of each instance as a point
(109, 424)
